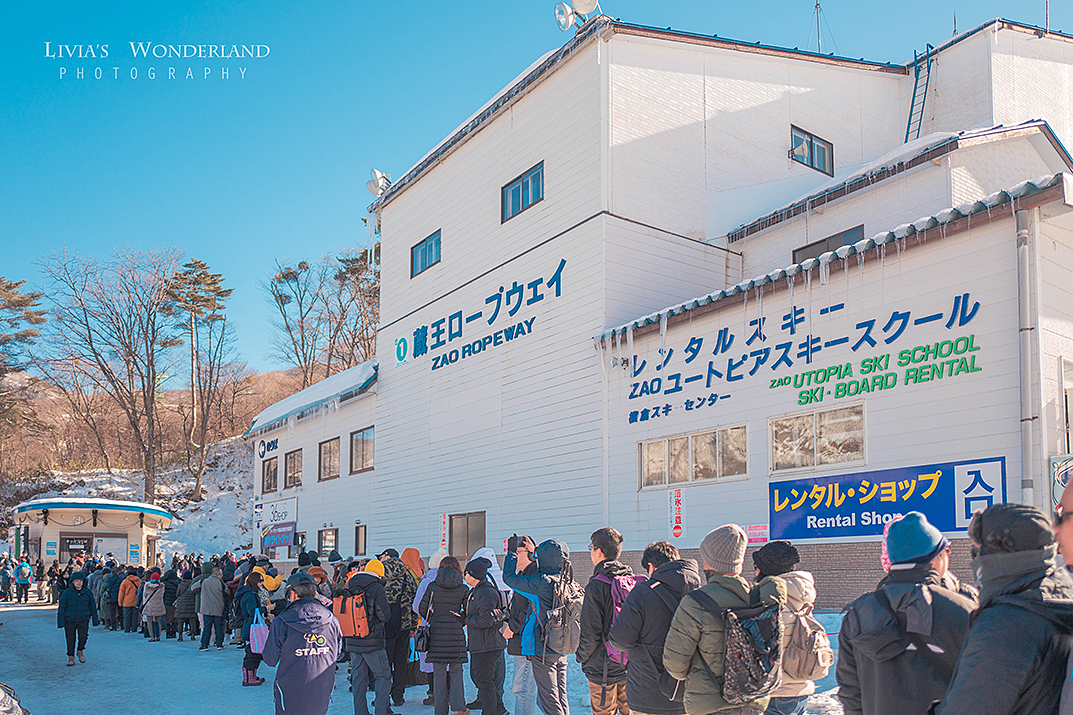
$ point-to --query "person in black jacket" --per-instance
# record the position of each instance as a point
(115, 621)
(75, 611)
(442, 607)
(1015, 658)
(523, 686)
(484, 621)
(607, 679)
(641, 628)
(368, 656)
(171, 592)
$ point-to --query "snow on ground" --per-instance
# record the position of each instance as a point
(124, 672)
(222, 521)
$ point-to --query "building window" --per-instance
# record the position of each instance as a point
(298, 546)
(328, 462)
(269, 473)
(808, 149)
(425, 254)
(813, 439)
(694, 458)
(327, 541)
(467, 534)
(361, 450)
(523, 192)
(831, 243)
(359, 539)
(292, 466)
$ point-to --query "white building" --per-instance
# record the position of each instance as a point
(633, 169)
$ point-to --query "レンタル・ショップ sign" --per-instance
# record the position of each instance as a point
(860, 504)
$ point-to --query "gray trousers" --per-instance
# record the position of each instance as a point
(549, 673)
(451, 696)
(361, 666)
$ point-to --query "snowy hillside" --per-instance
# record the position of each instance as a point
(222, 521)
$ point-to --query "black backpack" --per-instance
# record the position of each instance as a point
(752, 648)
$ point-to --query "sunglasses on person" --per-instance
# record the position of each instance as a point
(1060, 515)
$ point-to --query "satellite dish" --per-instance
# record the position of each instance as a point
(379, 183)
(564, 15)
(584, 7)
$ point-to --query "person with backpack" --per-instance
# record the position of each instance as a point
(400, 586)
(249, 605)
(806, 650)
(362, 610)
(303, 643)
(24, 576)
(898, 644)
(5, 580)
(1016, 658)
(523, 686)
(641, 626)
(485, 613)
(77, 607)
(554, 627)
(442, 607)
(698, 640)
(612, 580)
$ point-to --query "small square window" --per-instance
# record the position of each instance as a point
(467, 534)
(831, 243)
(328, 541)
(425, 255)
(808, 149)
(523, 192)
(269, 475)
(292, 475)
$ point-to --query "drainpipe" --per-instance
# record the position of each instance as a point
(1025, 330)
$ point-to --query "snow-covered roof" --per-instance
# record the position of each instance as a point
(896, 161)
(327, 393)
(947, 216)
(91, 503)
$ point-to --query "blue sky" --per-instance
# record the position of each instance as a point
(244, 171)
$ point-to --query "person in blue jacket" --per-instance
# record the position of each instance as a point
(303, 644)
(75, 611)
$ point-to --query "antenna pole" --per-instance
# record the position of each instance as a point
(1047, 15)
(818, 26)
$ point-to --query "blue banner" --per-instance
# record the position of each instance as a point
(860, 504)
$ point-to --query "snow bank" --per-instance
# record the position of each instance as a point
(328, 391)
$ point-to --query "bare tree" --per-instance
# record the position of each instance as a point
(115, 324)
(350, 289)
(216, 341)
(296, 294)
(82, 396)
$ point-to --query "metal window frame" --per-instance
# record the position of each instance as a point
(320, 540)
(667, 484)
(450, 530)
(812, 138)
(422, 244)
(275, 487)
(301, 466)
(815, 466)
(841, 234)
(321, 477)
(503, 218)
(363, 468)
(361, 539)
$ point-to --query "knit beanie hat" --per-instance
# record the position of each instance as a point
(303, 559)
(375, 567)
(436, 558)
(154, 576)
(776, 558)
(723, 549)
(478, 568)
(334, 557)
(1005, 528)
(913, 540)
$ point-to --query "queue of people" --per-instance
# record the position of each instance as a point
(678, 638)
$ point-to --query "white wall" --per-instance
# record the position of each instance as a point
(960, 89)
(558, 123)
(1055, 249)
(689, 123)
(1033, 79)
(966, 416)
(337, 502)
